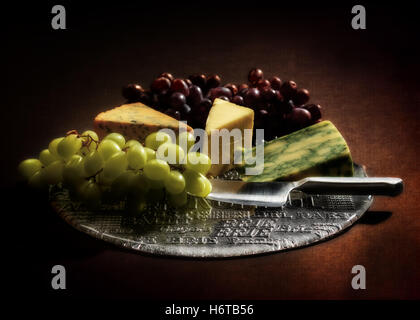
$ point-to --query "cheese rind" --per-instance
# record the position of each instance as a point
(226, 115)
(318, 150)
(135, 121)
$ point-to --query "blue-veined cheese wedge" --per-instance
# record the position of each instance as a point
(317, 150)
(135, 121)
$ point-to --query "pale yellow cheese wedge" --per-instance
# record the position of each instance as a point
(226, 115)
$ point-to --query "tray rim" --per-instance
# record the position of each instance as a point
(158, 250)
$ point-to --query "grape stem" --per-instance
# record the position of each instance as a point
(89, 141)
(95, 174)
(72, 132)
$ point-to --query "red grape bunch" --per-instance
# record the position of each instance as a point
(280, 107)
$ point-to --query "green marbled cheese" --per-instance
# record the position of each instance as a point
(318, 150)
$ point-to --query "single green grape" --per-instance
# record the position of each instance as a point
(137, 196)
(121, 186)
(178, 200)
(46, 157)
(107, 148)
(74, 171)
(36, 181)
(53, 173)
(90, 142)
(90, 194)
(69, 146)
(92, 163)
(175, 182)
(115, 165)
(155, 139)
(171, 153)
(156, 169)
(117, 138)
(151, 154)
(131, 143)
(27, 168)
(196, 184)
(85, 150)
(92, 134)
(186, 140)
(103, 181)
(139, 184)
(136, 156)
(208, 187)
(199, 162)
(52, 147)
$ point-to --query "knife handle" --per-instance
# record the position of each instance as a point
(351, 185)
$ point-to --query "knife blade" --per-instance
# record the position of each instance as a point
(275, 194)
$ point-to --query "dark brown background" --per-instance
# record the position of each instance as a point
(367, 82)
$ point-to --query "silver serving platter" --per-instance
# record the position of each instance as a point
(207, 229)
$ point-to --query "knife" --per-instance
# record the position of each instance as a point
(275, 194)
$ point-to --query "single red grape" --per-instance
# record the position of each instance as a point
(232, 88)
(177, 100)
(262, 84)
(315, 110)
(167, 75)
(268, 94)
(196, 95)
(188, 82)
(275, 83)
(160, 85)
(206, 103)
(288, 89)
(185, 109)
(199, 80)
(252, 98)
(255, 75)
(279, 97)
(146, 98)
(179, 85)
(243, 86)
(242, 92)
(239, 100)
(300, 117)
(132, 92)
(220, 91)
(302, 97)
(213, 81)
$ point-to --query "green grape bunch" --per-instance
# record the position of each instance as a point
(114, 169)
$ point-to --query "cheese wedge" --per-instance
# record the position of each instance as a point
(226, 115)
(317, 150)
(135, 121)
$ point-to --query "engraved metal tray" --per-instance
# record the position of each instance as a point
(209, 229)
